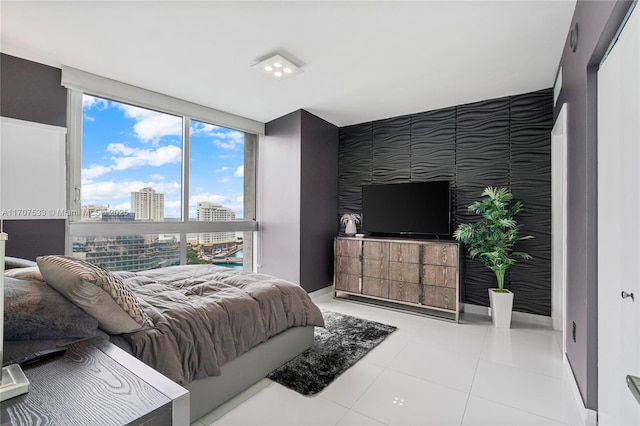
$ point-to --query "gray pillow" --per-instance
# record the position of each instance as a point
(35, 311)
(96, 291)
(30, 273)
(16, 262)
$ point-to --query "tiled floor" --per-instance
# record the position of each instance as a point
(428, 372)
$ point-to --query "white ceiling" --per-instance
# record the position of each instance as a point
(362, 61)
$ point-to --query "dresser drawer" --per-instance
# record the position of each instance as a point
(404, 252)
(404, 291)
(348, 282)
(348, 248)
(439, 297)
(441, 276)
(408, 272)
(375, 268)
(375, 250)
(347, 265)
(375, 287)
(440, 254)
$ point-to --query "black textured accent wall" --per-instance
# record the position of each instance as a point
(498, 142)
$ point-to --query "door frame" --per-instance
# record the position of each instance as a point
(559, 222)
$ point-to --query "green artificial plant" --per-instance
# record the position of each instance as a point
(492, 237)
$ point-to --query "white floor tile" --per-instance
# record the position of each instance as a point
(481, 412)
(388, 349)
(533, 351)
(356, 419)
(350, 386)
(437, 363)
(398, 399)
(277, 405)
(464, 338)
(546, 396)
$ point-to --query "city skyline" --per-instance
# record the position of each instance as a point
(127, 148)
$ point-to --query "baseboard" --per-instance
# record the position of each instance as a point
(526, 318)
(589, 417)
(322, 292)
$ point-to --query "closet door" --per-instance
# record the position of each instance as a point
(619, 228)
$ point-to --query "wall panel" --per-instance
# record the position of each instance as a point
(497, 142)
(355, 154)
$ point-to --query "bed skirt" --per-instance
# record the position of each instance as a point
(207, 394)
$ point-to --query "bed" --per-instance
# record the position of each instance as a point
(213, 330)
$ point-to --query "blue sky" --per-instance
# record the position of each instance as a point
(126, 148)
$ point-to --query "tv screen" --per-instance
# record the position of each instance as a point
(420, 208)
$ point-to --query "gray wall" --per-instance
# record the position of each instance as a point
(497, 142)
(298, 199)
(597, 23)
(279, 198)
(32, 92)
(319, 201)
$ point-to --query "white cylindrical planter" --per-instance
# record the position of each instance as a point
(501, 307)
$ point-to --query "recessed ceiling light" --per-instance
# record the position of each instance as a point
(278, 67)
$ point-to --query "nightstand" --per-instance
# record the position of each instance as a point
(97, 384)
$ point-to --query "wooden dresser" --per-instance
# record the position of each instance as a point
(427, 275)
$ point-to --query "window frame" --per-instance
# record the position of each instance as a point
(78, 84)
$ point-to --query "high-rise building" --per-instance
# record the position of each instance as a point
(209, 212)
(147, 204)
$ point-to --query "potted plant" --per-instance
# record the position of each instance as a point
(491, 239)
(350, 220)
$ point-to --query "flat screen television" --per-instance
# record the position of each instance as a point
(411, 209)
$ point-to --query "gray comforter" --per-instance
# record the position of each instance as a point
(206, 315)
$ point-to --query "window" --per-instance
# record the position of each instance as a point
(154, 189)
(131, 163)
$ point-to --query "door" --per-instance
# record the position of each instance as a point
(619, 227)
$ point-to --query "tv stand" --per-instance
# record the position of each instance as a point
(424, 276)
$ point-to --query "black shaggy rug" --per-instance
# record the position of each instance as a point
(343, 341)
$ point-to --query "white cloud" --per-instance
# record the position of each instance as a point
(224, 180)
(95, 171)
(229, 140)
(223, 169)
(89, 102)
(198, 127)
(134, 157)
(239, 172)
(152, 125)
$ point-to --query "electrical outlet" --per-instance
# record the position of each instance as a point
(573, 331)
